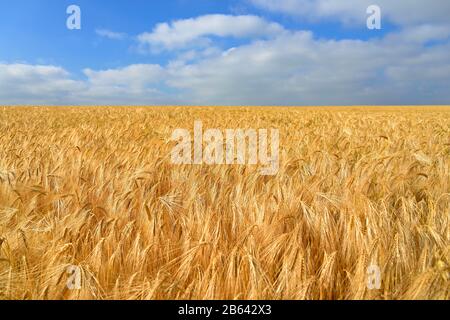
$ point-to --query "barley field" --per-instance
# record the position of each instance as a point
(94, 187)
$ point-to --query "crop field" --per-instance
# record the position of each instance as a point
(93, 189)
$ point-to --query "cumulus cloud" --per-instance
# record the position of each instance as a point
(28, 84)
(23, 84)
(422, 33)
(181, 33)
(110, 34)
(293, 68)
(297, 69)
(136, 76)
(275, 66)
(134, 84)
(401, 12)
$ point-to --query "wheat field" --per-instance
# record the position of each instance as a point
(94, 187)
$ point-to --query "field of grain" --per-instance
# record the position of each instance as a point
(94, 187)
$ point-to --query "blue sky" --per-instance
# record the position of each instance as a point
(35, 32)
(239, 52)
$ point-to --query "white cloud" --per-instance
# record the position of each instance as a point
(28, 84)
(297, 69)
(49, 85)
(136, 76)
(402, 12)
(110, 34)
(275, 66)
(422, 33)
(134, 84)
(181, 33)
(293, 68)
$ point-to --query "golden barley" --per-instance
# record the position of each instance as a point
(95, 188)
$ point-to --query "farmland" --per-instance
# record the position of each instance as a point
(95, 188)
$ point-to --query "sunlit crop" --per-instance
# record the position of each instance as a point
(95, 188)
